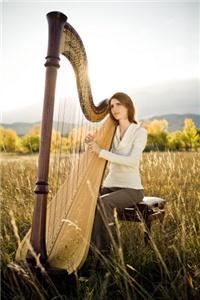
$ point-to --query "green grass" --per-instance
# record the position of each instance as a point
(168, 268)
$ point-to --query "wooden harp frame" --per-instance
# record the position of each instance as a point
(63, 39)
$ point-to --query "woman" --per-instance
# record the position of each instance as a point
(122, 186)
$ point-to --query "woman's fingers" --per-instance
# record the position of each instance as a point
(90, 145)
(93, 147)
(89, 138)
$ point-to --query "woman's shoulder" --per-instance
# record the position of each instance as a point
(143, 130)
(138, 129)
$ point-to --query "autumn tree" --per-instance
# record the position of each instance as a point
(2, 146)
(175, 140)
(157, 134)
(9, 140)
(76, 139)
(55, 141)
(31, 140)
(190, 135)
(156, 126)
(198, 138)
(65, 144)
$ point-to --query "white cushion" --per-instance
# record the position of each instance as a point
(152, 200)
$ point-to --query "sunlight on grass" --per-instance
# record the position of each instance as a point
(168, 268)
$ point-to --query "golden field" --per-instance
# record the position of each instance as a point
(168, 268)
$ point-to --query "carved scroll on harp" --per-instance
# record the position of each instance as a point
(67, 240)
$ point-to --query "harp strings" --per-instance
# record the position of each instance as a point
(67, 167)
(76, 159)
(57, 160)
(67, 195)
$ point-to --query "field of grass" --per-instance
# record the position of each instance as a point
(168, 268)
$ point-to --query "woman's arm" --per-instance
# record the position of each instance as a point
(131, 160)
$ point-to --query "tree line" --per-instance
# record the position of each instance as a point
(159, 139)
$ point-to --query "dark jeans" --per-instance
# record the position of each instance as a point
(109, 199)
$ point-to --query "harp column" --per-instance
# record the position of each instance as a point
(56, 22)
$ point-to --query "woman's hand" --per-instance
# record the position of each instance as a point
(92, 145)
(89, 138)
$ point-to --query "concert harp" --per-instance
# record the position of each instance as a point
(64, 241)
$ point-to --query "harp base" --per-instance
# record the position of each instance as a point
(28, 281)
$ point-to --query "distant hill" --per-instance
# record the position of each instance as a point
(175, 122)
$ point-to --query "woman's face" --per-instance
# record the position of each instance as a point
(118, 110)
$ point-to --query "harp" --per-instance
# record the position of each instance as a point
(66, 242)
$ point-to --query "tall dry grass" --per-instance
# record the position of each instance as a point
(168, 268)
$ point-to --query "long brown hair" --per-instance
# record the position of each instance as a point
(126, 101)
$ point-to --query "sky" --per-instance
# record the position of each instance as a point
(150, 50)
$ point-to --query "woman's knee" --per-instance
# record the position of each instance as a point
(103, 201)
(105, 208)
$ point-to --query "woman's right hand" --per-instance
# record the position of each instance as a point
(89, 138)
(92, 145)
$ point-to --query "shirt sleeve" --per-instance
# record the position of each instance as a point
(131, 160)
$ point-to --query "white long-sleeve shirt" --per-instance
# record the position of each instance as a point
(124, 158)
